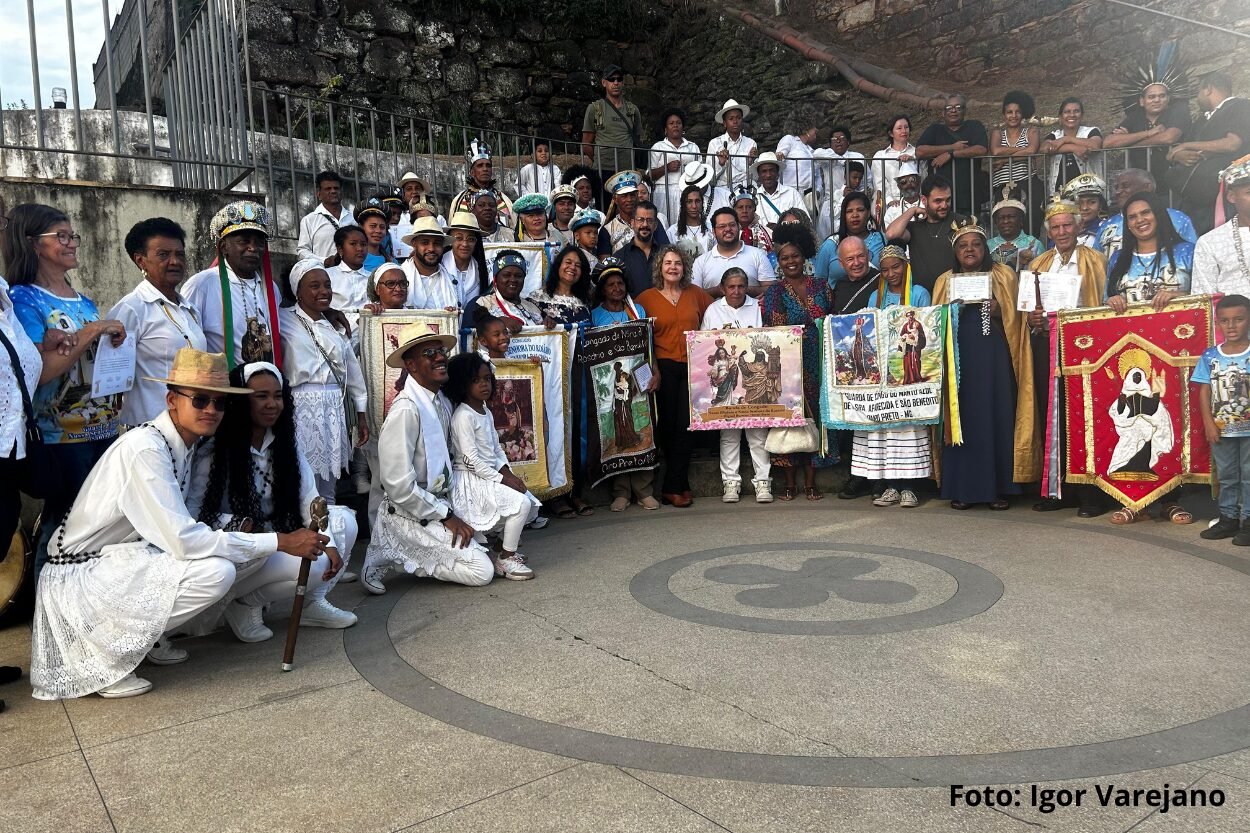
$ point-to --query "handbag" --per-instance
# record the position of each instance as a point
(793, 439)
(36, 471)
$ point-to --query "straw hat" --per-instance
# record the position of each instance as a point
(198, 370)
(465, 221)
(424, 227)
(765, 158)
(411, 336)
(410, 176)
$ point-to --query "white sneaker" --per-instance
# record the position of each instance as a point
(322, 614)
(348, 577)
(908, 499)
(371, 580)
(247, 621)
(513, 569)
(164, 653)
(128, 686)
(538, 523)
(649, 502)
(763, 491)
(732, 488)
(888, 498)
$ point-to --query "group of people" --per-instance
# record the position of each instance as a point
(184, 503)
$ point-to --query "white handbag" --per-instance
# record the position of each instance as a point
(794, 439)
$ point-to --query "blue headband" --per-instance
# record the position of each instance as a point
(505, 260)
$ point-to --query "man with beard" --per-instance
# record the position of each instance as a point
(908, 181)
(429, 284)
(637, 254)
(1210, 145)
(729, 252)
(926, 229)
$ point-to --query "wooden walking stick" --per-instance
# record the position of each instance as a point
(320, 521)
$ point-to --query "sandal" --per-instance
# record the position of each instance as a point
(787, 493)
(583, 508)
(1124, 516)
(1177, 514)
(565, 511)
(813, 493)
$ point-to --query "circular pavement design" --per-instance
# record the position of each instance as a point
(371, 651)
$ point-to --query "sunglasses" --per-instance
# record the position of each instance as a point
(434, 352)
(201, 401)
(615, 79)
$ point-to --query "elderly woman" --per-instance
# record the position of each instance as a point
(1014, 144)
(532, 223)
(799, 298)
(162, 321)
(855, 220)
(887, 161)
(995, 383)
(505, 300)
(565, 296)
(676, 306)
(325, 378)
(1073, 147)
(40, 248)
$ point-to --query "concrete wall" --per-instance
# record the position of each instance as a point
(103, 214)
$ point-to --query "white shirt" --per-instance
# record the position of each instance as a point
(663, 152)
(797, 167)
(705, 239)
(710, 266)
(304, 364)
(135, 495)
(401, 457)
(247, 299)
(161, 328)
(885, 167)
(770, 207)
(350, 292)
(430, 292)
(833, 171)
(739, 163)
(538, 179)
(467, 283)
(316, 231)
(12, 411)
(1216, 266)
(720, 315)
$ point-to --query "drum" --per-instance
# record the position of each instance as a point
(15, 570)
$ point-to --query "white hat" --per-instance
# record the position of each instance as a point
(697, 174)
(732, 105)
(765, 158)
(410, 176)
(424, 227)
(908, 168)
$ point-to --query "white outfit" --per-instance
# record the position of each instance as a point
(722, 316)
(415, 470)
(770, 207)
(711, 266)
(738, 168)
(797, 169)
(467, 283)
(884, 170)
(1093, 163)
(537, 179)
(668, 188)
(1216, 266)
(271, 578)
(402, 228)
(321, 368)
(437, 291)
(350, 292)
(477, 491)
(833, 181)
(12, 411)
(247, 300)
(148, 566)
(892, 454)
(317, 229)
(705, 240)
(161, 328)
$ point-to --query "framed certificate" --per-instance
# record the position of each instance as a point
(970, 287)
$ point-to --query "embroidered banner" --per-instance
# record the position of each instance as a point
(745, 378)
(379, 335)
(554, 351)
(536, 253)
(517, 408)
(883, 368)
(620, 434)
(1133, 425)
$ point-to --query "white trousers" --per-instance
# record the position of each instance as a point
(204, 582)
(472, 567)
(731, 453)
(351, 529)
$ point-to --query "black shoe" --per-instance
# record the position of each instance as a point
(1091, 510)
(1053, 504)
(1242, 538)
(1225, 527)
(855, 487)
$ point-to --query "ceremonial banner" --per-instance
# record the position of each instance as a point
(517, 408)
(745, 378)
(1133, 425)
(883, 368)
(554, 351)
(379, 335)
(620, 436)
(537, 255)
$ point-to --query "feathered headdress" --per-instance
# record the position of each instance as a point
(1166, 69)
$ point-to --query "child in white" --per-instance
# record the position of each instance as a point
(484, 492)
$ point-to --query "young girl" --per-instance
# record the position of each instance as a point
(484, 491)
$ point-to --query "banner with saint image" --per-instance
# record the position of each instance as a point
(745, 378)
(615, 364)
(517, 409)
(379, 335)
(552, 352)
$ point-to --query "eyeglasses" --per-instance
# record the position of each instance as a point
(201, 401)
(399, 284)
(62, 237)
(953, 107)
(434, 352)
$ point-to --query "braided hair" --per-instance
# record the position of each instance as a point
(230, 479)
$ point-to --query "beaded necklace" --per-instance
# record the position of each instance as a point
(1240, 249)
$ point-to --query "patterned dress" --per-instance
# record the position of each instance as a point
(781, 306)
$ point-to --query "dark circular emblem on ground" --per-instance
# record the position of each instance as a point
(814, 582)
(370, 650)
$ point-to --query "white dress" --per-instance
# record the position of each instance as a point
(478, 494)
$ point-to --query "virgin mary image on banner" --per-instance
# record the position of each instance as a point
(1141, 419)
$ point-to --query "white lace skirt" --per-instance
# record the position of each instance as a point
(399, 542)
(897, 454)
(321, 429)
(96, 621)
(482, 504)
